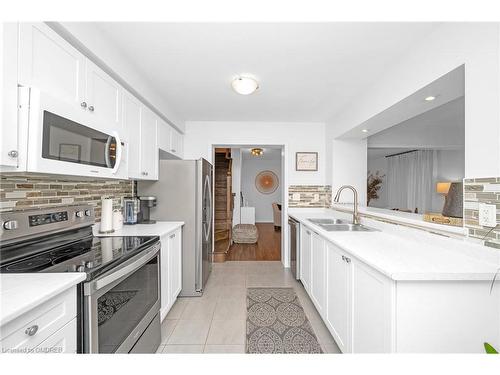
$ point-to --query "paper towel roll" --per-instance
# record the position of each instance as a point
(106, 215)
(117, 220)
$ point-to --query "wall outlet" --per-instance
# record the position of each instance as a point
(487, 215)
(296, 196)
(316, 198)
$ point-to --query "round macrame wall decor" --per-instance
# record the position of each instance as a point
(267, 182)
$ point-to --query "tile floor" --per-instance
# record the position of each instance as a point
(216, 322)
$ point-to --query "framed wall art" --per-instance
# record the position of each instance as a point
(306, 161)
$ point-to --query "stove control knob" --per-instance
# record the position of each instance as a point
(79, 213)
(88, 212)
(89, 264)
(10, 225)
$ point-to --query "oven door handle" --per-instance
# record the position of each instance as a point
(126, 269)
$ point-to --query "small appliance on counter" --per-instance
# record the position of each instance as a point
(131, 208)
(145, 205)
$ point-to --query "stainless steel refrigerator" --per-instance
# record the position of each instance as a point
(184, 193)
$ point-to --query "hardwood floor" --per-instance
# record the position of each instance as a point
(268, 247)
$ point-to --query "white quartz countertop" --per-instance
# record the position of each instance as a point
(401, 258)
(159, 228)
(22, 292)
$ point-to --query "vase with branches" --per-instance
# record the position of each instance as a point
(374, 183)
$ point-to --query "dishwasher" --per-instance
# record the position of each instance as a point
(294, 230)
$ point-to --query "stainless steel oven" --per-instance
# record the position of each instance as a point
(121, 307)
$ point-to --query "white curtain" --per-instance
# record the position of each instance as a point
(409, 181)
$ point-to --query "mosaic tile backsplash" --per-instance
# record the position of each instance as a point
(481, 190)
(30, 192)
(306, 196)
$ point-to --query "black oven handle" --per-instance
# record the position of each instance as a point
(125, 269)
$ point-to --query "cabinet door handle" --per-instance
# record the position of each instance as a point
(83, 104)
(91, 108)
(172, 236)
(348, 260)
(173, 150)
(308, 232)
(13, 153)
(31, 331)
(343, 258)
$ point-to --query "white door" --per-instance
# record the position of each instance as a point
(49, 63)
(175, 264)
(318, 274)
(338, 300)
(305, 257)
(103, 96)
(149, 147)
(371, 317)
(9, 142)
(132, 125)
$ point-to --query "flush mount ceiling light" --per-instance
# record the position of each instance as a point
(430, 98)
(256, 151)
(244, 85)
(365, 130)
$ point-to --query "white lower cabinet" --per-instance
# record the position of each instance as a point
(338, 297)
(368, 312)
(48, 328)
(170, 270)
(318, 275)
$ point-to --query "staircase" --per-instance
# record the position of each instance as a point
(223, 204)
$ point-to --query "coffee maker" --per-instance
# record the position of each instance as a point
(145, 205)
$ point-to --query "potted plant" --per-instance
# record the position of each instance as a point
(374, 183)
(487, 347)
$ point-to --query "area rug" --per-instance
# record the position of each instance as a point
(276, 323)
(111, 302)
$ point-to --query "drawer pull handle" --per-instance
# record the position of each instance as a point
(31, 331)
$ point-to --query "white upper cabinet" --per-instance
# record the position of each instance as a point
(132, 125)
(149, 146)
(169, 139)
(103, 97)
(49, 63)
(9, 138)
(141, 126)
(176, 145)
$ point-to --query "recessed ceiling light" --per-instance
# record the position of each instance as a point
(365, 130)
(430, 98)
(244, 85)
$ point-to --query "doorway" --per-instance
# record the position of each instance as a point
(249, 196)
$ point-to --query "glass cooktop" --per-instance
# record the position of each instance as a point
(72, 251)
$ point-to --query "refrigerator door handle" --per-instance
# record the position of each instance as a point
(208, 209)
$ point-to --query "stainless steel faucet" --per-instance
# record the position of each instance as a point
(355, 216)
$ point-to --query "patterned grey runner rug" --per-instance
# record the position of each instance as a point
(276, 323)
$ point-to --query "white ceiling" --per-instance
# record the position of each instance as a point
(270, 153)
(307, 72)
(445, 89)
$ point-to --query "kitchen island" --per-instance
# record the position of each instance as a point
(378, 291)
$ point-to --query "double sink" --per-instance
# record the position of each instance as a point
(338, 225)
